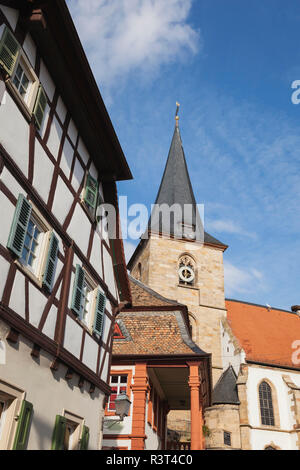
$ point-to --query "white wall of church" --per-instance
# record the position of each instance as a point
(231, 356)
(280, 435)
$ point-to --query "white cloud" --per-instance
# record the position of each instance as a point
(240, 281)
(227, 226)
(121, 36)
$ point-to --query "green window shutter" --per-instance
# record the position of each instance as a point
(9, 51)
(59, 433)
(99, 312)
(19, 226)
(51, 262)
(84, 442)
(91, 192)
(24, 421)
(39, 107)
(77, 295)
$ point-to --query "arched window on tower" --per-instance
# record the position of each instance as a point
(186, 270)
(266, 404)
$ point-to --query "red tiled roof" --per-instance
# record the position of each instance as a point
(154, 333)
(265, 335)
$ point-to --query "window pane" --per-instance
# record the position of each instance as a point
(16, 82)
(114, 379)
(24, 254)
(123, 379)
(19, 71)
(27, 240)
(30, 227)
(266, 404)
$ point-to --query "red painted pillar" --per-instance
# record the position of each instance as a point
(196, 409)
(140, 389)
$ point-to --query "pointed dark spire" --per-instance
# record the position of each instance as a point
(225, 391)
(176, 188)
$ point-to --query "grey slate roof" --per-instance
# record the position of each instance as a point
(225, 391)
(176, 188)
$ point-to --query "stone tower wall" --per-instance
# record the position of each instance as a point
(205, 299)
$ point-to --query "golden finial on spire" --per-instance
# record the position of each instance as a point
(176, 115)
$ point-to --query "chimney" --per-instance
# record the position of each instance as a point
(296, 309)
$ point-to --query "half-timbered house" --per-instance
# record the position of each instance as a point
(62, 277)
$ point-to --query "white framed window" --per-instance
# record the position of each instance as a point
(23, 81)
(33, 243)
(118, 384)
(70, 432)
(12, 405)
(88, 301)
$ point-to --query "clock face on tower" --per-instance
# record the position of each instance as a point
(186, 270)
(186, 274)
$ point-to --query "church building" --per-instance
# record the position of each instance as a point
(255, 370)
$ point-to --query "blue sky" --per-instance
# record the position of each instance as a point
(230, 63)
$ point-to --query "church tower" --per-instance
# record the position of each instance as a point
(179, 260)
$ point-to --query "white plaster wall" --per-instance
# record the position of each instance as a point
(260, 439)
(108, 272)
(67, 158)
(11, 183)
(29, 48)
(96, 256)
(72, 132)
(12, 124)
(17, 298)
(50, 394)
(43, 127)
(106, 328)
(62, 201)
(78, 175)
(43, 171)
(49, 327)
(8, 209)
(93, 171)
(37, 304)
(4, 268)
(73, 337)
(47, 81)
(59, 268)
(11, 14)
(61, 109)
(54, 137)
(105, 369)
(82, 150)
(255, 375)
(90, 353)
(2, 352)
(79, 229)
